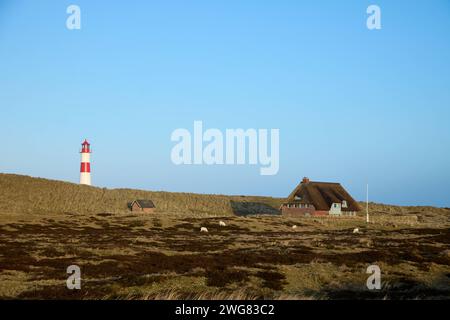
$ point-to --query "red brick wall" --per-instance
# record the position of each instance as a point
(297, 211)
(302, 212)
(135, 207)
(322, 213)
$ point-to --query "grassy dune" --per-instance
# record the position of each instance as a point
(22, 194)
(45, 226)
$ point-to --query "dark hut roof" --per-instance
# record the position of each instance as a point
(144, 203)
(322, 195)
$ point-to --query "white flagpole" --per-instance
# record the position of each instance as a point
(367, 204)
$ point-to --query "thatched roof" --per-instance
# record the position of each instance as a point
(322, 195)
(144, 203)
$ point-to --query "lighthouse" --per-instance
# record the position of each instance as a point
(85, 170)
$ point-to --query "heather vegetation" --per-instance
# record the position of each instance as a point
(256, 254)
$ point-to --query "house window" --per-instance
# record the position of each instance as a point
(344, 204)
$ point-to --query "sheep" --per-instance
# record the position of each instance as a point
(294, 227)
(356, 230)
(203, 229)
(222, 224)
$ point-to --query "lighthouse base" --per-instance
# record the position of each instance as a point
(85, 178)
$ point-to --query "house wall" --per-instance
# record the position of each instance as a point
(297, 211)
(311, 211)
(135, 207)
(335, 209)
(306, 212)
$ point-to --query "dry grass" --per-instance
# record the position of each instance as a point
(164, 256)
(23, 194)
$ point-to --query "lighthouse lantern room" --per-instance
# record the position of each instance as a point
(85, 170)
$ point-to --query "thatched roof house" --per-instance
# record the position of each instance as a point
(143, 205)
(320, 198)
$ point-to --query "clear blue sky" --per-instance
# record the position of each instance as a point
(352, 105)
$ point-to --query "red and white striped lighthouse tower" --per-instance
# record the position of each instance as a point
(85, 170)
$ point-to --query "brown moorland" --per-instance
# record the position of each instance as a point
(44, 228)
